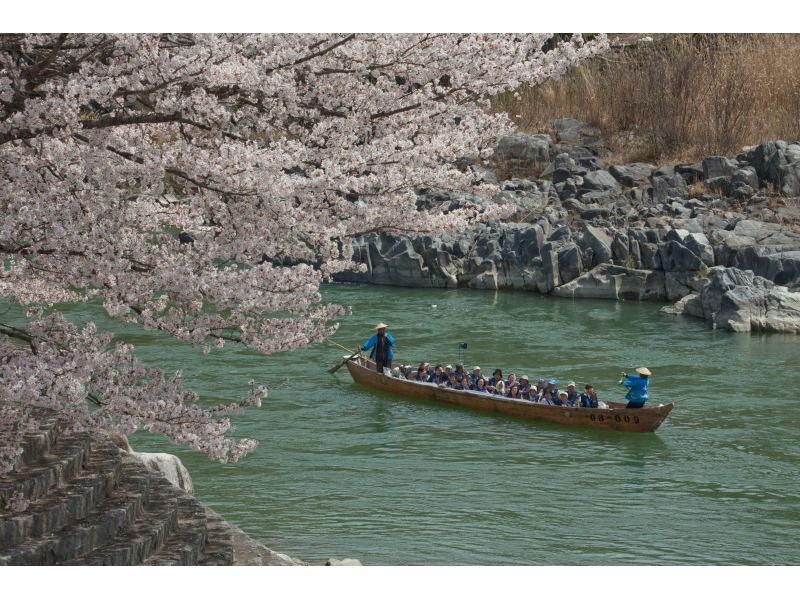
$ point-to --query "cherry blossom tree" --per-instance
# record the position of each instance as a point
(205, 185)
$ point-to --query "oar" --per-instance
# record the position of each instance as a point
(335, 368)
(337, 344)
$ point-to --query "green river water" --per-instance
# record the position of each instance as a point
(345, 471)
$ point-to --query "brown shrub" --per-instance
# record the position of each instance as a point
(681, 97)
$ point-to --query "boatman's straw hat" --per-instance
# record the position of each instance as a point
(381, 325)
(643, 372)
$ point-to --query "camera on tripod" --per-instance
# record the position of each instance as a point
(462, 346)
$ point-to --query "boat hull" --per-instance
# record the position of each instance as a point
(617, 417)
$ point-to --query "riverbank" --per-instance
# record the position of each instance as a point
(582, 229)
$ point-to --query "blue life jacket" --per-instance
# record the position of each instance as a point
(588, 400)
(637, 388)
(372, 344)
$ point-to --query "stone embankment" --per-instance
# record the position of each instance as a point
(81, 500)
(626, 232)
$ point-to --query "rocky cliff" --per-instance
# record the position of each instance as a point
(581, 229)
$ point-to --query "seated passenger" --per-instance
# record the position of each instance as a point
(513, 392)
(454, 383)
(480, 385)
(426, 367)
(421, 376)
(524, 386)
(512, 380)
(589, 398)
(438, 376)
(461, 374)
(561, 398)
(532, 394)
(473, 377)
(546, 396)
(497, 376)
(572, 395)
(551, 386)
(499, 388)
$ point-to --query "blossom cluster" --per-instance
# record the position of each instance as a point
(206, 185)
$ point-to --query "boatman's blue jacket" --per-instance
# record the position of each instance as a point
(370, 344)
(637, 388)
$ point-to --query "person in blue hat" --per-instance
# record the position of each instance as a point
(637, 387)
(550, 391)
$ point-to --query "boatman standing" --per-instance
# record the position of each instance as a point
(381, 345)
(637, 387)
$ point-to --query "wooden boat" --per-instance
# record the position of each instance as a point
(616, 417)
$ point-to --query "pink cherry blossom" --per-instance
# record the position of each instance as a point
(269, 153)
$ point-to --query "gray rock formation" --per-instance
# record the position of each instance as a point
(579, 216)
(170, 466)
(522, 152)
(615, 282)
(632, 175)
(600, 180)
(739, 300)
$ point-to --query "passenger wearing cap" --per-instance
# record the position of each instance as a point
(461, 374)
(524, 386)
(560, 399)
(550, 391)
(572, 395)
(473, 377)
(381, 345)
(532, 394)
(637, 387)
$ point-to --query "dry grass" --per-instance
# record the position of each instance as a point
(679, 98)
(698, 189)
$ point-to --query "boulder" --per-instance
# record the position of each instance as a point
(680, 284)
(620, 248)
(745, 176)
(789, 179)
(575, 132)
(570, 263)
(718, 166)
(632, 175)
(522, 151)
(676, 256)
(600, 180)
(699, 245)
(608, 281)
(761, 156)
(546, 276)
(590, 163)
(650, 256)
(721, 185)
(739, 300)
(691, 173)
(599, 241)
(749, 233)
(342, 563)
(170, 465)
(668, 187)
